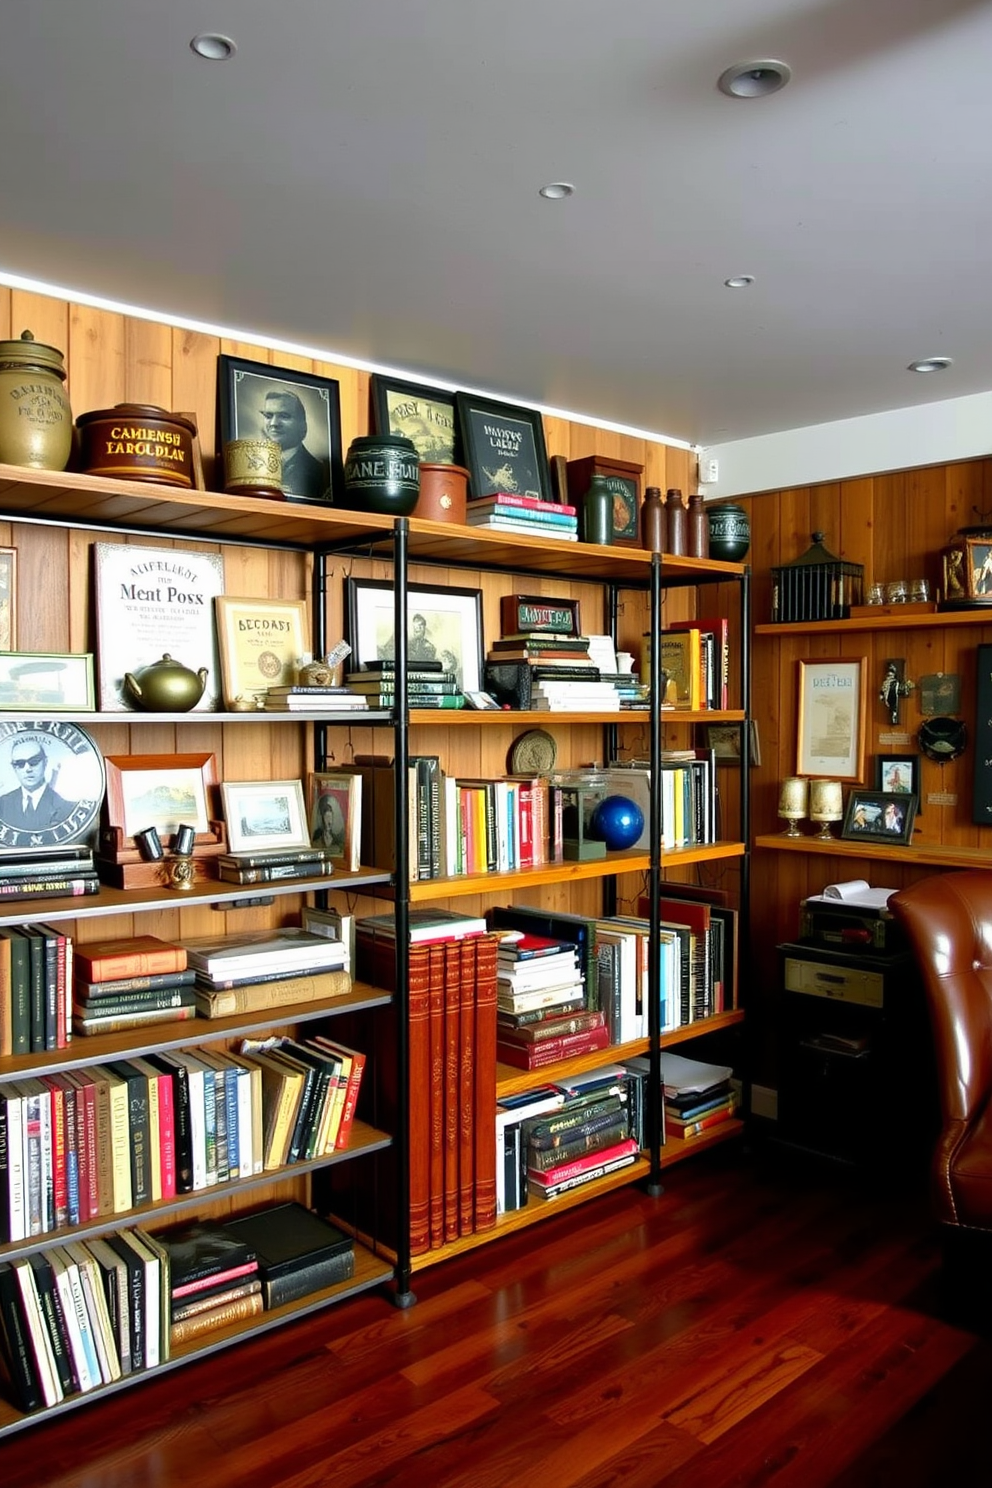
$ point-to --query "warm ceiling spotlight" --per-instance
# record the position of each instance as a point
(213, 47)
(754, 79)
(739, 281)
(929, 364)
(556, 191)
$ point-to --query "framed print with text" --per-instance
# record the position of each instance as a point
(831, 720)
(424, 414)
(261, 642)
(503, 446)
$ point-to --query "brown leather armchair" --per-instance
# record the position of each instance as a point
(948, 920)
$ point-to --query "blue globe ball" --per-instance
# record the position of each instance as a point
(617, 821)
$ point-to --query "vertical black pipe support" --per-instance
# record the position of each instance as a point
(403, 1296)
(611, 734)
(653, 1105)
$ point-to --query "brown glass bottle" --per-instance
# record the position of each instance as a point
(698, 538)
(676, 514)
(654, 523)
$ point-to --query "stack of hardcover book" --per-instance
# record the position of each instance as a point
(297, 698)
(429, 683)
(126, 983)
(259, 969)
(298, 1252)
(213, 1279)
(593, 1133)
(541, 1017)
(504, 511)
(273, 865)
(697, 1096)
(66, 871)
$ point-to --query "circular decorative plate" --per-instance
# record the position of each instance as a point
(52, 780)
(534, 753)
(942, 739)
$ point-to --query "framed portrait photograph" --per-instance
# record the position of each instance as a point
(52, 780)
(335, 798)
(164, 791)
(264, 814)
(831, 718)
(879, 816)
(8, 599)
(53, 681)
(899, 774)
(296, 410)
(503, 447)
(261, 642)
(725, 741)
(444, 625)
(424, 414)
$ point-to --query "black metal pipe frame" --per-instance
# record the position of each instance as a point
(403, 1296)
(653, 1105)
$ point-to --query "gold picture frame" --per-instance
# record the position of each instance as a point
(260, 642)
(832, 718)
(8, 599)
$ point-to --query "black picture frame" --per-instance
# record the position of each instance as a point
(879, 816)
(424, 414)
(453, 624)
(899, 774)
(503, 447)
(317, 475)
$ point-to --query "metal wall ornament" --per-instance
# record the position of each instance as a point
(942, 739)
(52, 782)
(895, 686)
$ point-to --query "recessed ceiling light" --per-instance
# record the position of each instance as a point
(930, 364)
(739, 281)
(213, 47)
(754, 79)
(556, 190)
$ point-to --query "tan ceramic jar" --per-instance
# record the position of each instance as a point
(35, 417)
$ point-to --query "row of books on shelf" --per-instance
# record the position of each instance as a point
(87, 1313)
(695, 657)
(116, 1136)
(52, 988)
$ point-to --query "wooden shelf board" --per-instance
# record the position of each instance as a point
(706, 853)
(533, 1212)
(156, 1037)
(513, 717)
(705, 1025)
(112, 901)
(364, 1139)
(948, 619)
(512, 1081)
(677, 1149)
(685, 570)
(944, 857)
(701, 715)
(630, 861)
(370, 1271)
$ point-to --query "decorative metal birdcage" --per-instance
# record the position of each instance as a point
(817, 586)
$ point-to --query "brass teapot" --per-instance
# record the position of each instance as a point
(165, 686)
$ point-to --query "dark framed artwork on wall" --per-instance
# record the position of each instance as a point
(296, 410)
(503, 447)
(425, 415)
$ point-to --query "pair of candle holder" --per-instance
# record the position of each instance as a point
(179, 868)
(820, 800)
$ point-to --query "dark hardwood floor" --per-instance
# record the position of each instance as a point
(759, 1324)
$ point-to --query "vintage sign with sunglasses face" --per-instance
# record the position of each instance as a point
(52, 781)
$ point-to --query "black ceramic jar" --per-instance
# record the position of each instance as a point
(381, 474)
(730, 531)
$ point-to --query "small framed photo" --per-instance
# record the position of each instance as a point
(725, 741)
(483, 702)
(504, 447)
(164, 791)
(424, 414)
(831, 718)
(264, 814)
(336, 816)
(8, 599)
(296, 410)
(899, 774)
(53, 681)
(444, 625)
(879, 816)
(261, 642)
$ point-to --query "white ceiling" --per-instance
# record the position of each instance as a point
(362, 177)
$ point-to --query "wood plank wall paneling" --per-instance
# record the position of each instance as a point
(895, 524)
(112, 358)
